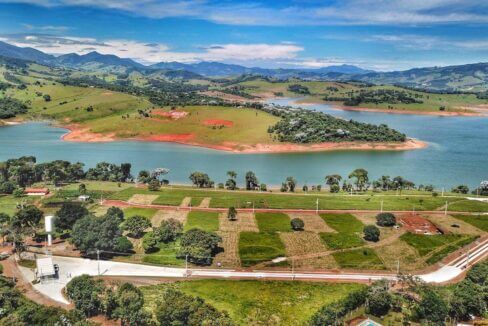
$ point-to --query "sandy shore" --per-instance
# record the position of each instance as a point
(82, 134)
(432, 113)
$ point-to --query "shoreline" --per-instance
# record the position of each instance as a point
(83, 134)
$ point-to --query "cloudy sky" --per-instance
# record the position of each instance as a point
(381, 34)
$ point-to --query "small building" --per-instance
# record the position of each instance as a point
(45, 268)
(363, 321)
(36, 191)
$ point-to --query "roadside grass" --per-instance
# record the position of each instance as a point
(467, 205)
(348, 227)
(243, 199)
(166, 255)
(365, 258)
(480, 221)
(273, 222)
(207, 221)
(438, 246)
(280, 303)
(100, 185)
(146, 212)
(259, 247)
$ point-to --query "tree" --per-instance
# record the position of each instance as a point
(379, 300)
(385, 219)
(169, 230)
(232, 214)
(7, 187)
(251, 181)
(150, 242)
(461, 189)
(129, 302)
(27, 217)
(92, 233)
(177, 308)
(479, 274)
(371, 233)
(335, 188)
(361, 176)
(432, 307)
(333, 179)
(125, 169)
(116, 213)
(231, 183)
(201, 180)
(154, 185)
(123, 245)
(144, 176)
(297, 224)
(47, 97)
(200, 246)
(136, 225)
(85, 293)
(68, 214)
(291, 183)
(469, 299)
(82, 189)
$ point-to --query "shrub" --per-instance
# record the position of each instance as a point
(136, 225)
(385, 219)
(68, 214)
(123, 245)
(200, 246)
(297, 224)
(85, 293)
(232, 213)
(154, 185)
(371, 233)
(335, 188)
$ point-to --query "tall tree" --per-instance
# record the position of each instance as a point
(361, 176)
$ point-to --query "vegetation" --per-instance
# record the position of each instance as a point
(385, 219)
(199, 246)
(10, 107)
(259, 247)
(358, 259)
(479, 221)
(273, 222)
(136, 225)
(371, 233)
(348, 229)
(297, 224)
(206, 221)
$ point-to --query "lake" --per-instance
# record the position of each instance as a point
(457, 152)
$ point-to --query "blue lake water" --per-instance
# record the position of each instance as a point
(457, 153)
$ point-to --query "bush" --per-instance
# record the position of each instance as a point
(150, 242)
(385, 219)
(123, 245)
(68, 214)
(7, 187)
(154, 185)
(379, 299)
(371, 233)
(169, 230)
(232, 214)
(335, 188)
(297, 224)
(85, 293)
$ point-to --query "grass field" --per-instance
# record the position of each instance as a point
(365, 258)
(146, 212)
(207, 221)
(481, 222)
(280, 303)
(318, 90)
(436, 247)
(468, 206)
(8, 203)
(241, 199)
(348, 230)
(259, 247)
(165, 256)
(273, 222)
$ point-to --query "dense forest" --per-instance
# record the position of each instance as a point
(377, 96)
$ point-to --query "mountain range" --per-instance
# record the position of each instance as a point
(468, 77)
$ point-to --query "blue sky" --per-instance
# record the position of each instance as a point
(380, 34)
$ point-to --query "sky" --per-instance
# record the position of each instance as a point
(372, 34)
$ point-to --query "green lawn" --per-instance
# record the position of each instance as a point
(468, 206)
(437, 245)
(224, 199)
(258, 247)
(207, 221)
(349, 230)
(358, 259)
(146, 212)
(273, 222)
(8, 203)
(165, 256)
(481, 221)
(260, 302)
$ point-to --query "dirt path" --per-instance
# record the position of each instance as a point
(186, 202)
(205, 202)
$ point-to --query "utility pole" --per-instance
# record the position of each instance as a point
(186, 265)
(317, 206)
(398, 266)
(381, 206)
(253, 207)
(442, 192)
(445, 208)
(98, 261)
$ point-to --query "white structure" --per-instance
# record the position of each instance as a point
(45, 267)
(48, 223)
(83, 197)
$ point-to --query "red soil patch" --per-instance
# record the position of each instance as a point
(419, 225)
(170, 137)
(218, 122)
(175, 115)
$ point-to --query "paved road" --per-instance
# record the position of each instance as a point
(70, 267)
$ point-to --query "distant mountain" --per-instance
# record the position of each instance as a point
(218, 69)
(469, 77)
(29, 54)
(78, 61)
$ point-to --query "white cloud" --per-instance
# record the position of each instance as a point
(154, 52)
(389, 12)
(423, 42)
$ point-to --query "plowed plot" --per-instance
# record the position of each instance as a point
(162, 215)
(313, 222)
(418, 225)
(366, 218)
(142, 199)
(303, 244)
(245, 222)
(399, 251)
(229, 258)
(218, 122)
(453, 225)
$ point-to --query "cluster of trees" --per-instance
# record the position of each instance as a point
(10, 107)
(167, 232)
(15, 309)
(378, 96)
(201, 180)
(417, 301)
(299, 89)
(104, 171)
(299, 125)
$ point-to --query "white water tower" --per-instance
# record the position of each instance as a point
(48, 222)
